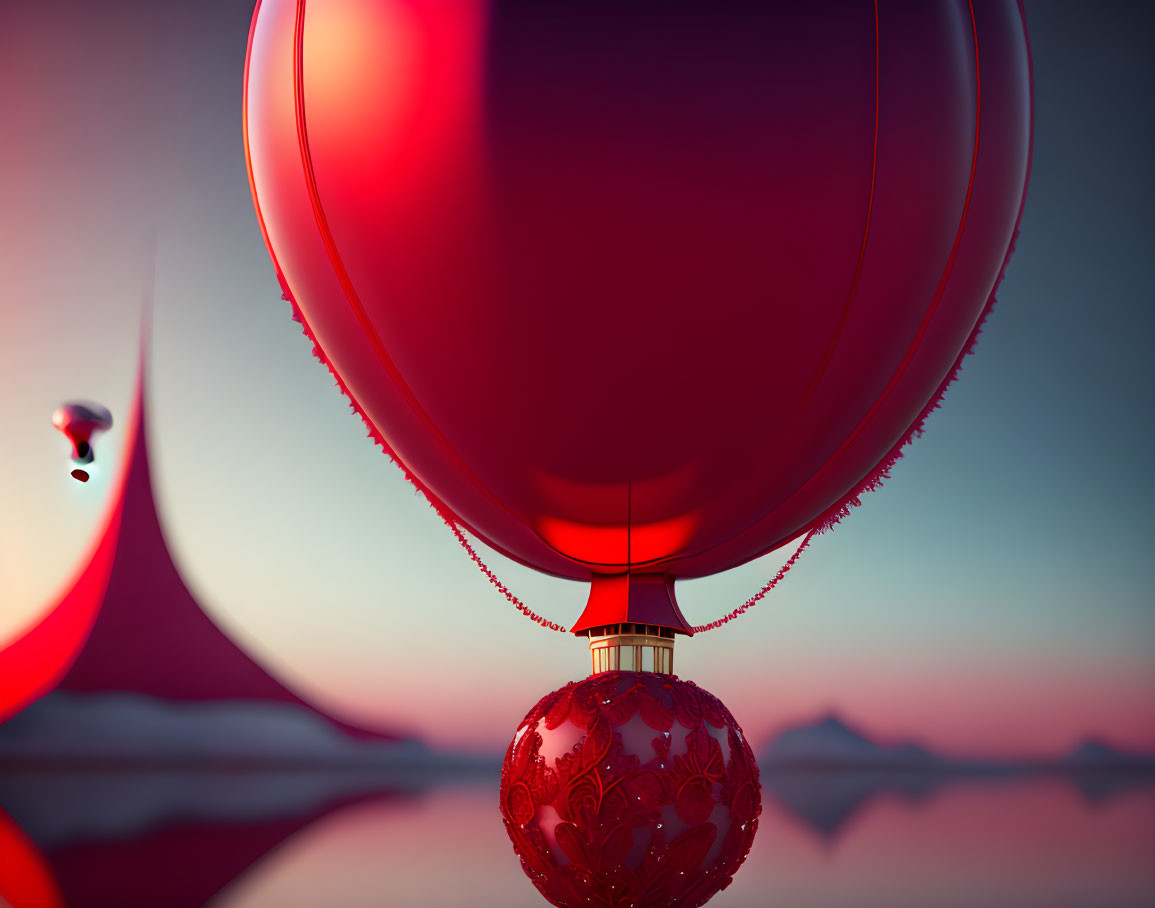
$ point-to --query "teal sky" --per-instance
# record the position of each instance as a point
(994, 597)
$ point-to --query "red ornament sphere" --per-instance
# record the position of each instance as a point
(630, 789)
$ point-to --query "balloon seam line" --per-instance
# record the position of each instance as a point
(874, 476)
(873, 480)
(924, 326)
(919, 335)
(342, 274)
(374, 433)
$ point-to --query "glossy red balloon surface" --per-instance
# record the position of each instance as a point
(630, 789)
(650, 286)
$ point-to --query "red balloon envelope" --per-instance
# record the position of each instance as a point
(639, 289)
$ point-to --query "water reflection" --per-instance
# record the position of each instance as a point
(1019, 841)
(827, 840)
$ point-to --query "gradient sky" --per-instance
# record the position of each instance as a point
(994, 597)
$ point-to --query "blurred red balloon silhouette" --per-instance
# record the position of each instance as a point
(639, 291)
(81, 422)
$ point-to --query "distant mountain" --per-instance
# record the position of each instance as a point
(825, 772)
(831, 742)
(134, 728)
(1095, 754)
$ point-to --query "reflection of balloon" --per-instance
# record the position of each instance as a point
(81, 422)
(640, 290)
(630, 789)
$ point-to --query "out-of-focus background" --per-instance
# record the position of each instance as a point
(993, 599)
(950, 696)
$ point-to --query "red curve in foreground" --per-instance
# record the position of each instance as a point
(26, 881)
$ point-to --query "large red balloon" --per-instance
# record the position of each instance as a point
(639, 288)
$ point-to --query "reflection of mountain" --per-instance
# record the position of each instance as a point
(172, 839)
(61, 810)
(826, 772)
(1101, 772)
(826, 799)
(138, 630)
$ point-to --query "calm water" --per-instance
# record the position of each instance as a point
(827, 840)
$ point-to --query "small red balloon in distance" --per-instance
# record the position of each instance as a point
(639, 290)
(630, 789)
(81, 422)
(80, 475)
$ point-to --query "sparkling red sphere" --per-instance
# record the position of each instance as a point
(630, 789)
